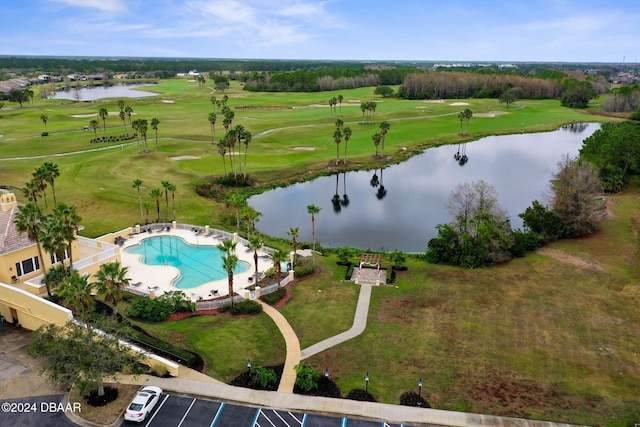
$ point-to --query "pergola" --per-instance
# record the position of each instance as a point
(373, 260)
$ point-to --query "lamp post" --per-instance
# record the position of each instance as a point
(249, 364)
(366, 383)
(420, 388)
(326, 373)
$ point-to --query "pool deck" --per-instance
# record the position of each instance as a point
(158, 278)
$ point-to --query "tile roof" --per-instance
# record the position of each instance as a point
(10, 239)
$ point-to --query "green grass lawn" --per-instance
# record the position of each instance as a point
(535, 338)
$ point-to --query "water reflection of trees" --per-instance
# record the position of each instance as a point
(461, 155)
(378, 182)
(575, 127)
(339, 202)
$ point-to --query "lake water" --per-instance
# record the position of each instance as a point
(91, 93)
(409, 200)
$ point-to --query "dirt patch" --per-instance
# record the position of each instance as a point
(185, 158)
(568, 259)
(109, 413)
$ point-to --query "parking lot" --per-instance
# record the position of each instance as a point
(178, 411)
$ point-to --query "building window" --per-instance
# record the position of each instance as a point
(54, 257)
(27, 266)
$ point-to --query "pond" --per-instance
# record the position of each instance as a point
(91, 93)
(400, 206)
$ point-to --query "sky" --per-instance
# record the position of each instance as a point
(421, 30)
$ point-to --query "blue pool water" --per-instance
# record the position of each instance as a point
(197, 264)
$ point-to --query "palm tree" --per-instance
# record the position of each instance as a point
(363, 108)
(156, 194)
(137, 184)
(293, 233)
(340, 98)
(30, 191)
(121, 104)
(222, 150)
(111, 280)
(467, 116)
(54, 238)
(123, 117)
(237, 200)
(229, 262)
(384, 128)
(172, 188)
(313, 210)
(71, 220)
(129, 112)
(51, 173)
(154, 125)
(142, 128)
(44, 119)
(103, 113)
(246, 139)
(166, 185)
(93, 124)
(337, 138)
(278, 257)
(40, 183)
(347, 136)
(29, 219)
(239, 133)
(212, 120)
(376, 138)
(75, 293)
(339, 124)
(255, 243)
(461, 118)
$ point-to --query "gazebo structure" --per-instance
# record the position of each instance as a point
(369, 270)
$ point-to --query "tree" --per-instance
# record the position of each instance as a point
(577, 94)
(212, 120)
(154, 125)
(337, 138)
(347, 136)
(376, 138)
(306, 377)
(255, 243)
(45, 119)
(137, 184)
(384, 128)
(237, 200)
(18, 95)
(40, 181)
(222, 150)
(111, 280)
(93, 124)
(293, 233)
(71, 221)
(55, 237)
(156, 195)
(28, 219)
(95, 357)
(166, 185)
(103, 113)
(510, 95)
(575, 188)
(50, 173)
(121, 104)
(313, 210)
(123, 117)
(129, 112)
(467, 117)
(277, 257)
(384, 91)
(75, 293)
(229, 262)
(173, 189)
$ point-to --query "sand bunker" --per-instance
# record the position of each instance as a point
(168, 101)
(185, 158)
(434, 101)
(304, 148)
(86, 116)
(456, 104)
(491, 114)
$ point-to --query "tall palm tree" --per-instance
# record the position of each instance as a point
(71, 220)
(212, 120)
(337, 138)
(347, 136)
(239, 133)
(255, 243)
(137, 184)
(278, 257)
(93, 124)
(313, 210)
(246, 139)
(44, 119)
(467, 116)
(111, 280)
(156, 195)
(40, 180)
(173, 188)
(123, 117)
(29, 219)
(129, 112)
(166, 185)
(54, 238)
(75, 293)
(51, 173)
(103, 113)
(229, 262)
(293, 233)
(143, 127)
(340, 99)
(384, 128)
(376, 138)
(121, 104)
(222, 150)
(461, 118)
(339, 124)
(31, 192)
(154, 125)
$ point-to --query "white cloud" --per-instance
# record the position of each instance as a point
(104, 5)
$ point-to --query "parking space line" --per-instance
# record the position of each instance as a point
(186, 413)
(343, 423)
(255, 419)
(215, 419)
(157, 410)
(304, 420)
(285, 423)
(294, 417)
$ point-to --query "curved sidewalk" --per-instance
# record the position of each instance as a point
(358, 327)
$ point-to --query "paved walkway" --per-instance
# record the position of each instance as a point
(358, 327)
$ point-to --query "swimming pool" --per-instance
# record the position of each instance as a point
(197, 264)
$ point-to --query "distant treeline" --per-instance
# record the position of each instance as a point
(457, 84)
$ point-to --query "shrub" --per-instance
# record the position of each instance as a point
(151, 310)
(306, 377)
(45, 134)
(263, 376)
(411, 398)
(361, 395)
(246, 307)
(273, 297)
(305, 266)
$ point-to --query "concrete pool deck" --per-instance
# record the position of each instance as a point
(158, 278)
